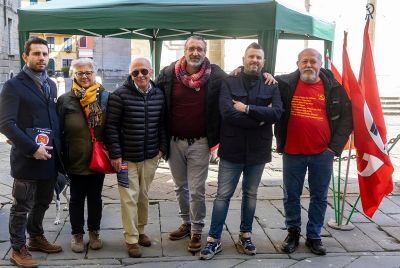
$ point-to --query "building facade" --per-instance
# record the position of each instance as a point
(9, 49)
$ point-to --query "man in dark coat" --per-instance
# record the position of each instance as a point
(248, 109)
(191, 87)
(28, 118)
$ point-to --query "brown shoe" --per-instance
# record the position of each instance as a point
(40, 243)
(22, 258)
(195, 243)
(77, 244)
(94, 240)
(134, 250)
(144, 240)
(181, 232)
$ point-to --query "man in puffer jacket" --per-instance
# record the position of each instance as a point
(136, 137)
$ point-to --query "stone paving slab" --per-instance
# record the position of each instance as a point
(4, 216)
(375, 261)
(318, 262)
(266, 263)
(379, 236)
(392, 231)
(4, 249)
(355, 240)
(187, 264)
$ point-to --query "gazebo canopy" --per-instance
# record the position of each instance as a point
(158, 20)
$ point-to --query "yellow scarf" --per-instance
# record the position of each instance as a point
(90, 106)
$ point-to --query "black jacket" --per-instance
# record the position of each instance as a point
(135, 126)
(165, 80)
(338, 109)
(247, 138)
(22, 108)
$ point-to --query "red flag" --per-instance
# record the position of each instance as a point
(338, 78)
(373, 162)
(335, 71)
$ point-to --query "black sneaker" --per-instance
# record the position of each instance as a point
(211, 248)
(247, 245)
(316, 246)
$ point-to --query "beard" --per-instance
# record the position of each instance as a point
(194, 62)
(309, 76)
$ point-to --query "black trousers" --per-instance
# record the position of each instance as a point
(31, 200)
(85, 187)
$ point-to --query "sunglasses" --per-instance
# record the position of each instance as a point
(135, 73)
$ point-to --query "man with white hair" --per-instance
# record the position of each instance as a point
(313, 129)
(136, 140)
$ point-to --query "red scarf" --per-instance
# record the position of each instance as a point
(197, 80)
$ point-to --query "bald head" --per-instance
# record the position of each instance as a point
(309, 63)
(143, 61)
(141, 72)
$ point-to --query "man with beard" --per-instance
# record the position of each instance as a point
(191, 86)
(248, 109)
(28, 118)
(314, 128)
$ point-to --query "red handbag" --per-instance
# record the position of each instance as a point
(100, 162)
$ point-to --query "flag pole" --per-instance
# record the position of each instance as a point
(339, 210)
(345, 183)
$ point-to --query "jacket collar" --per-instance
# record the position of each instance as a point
(30, 84)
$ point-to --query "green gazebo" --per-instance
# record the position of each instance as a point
(158, 20)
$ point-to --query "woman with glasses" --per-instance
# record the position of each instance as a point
(83, 107)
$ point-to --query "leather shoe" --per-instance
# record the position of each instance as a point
(316, 246)
(291, 241)
(182, 231)
(195, 243)
(144, 240)
(134, 250)
(40, 243)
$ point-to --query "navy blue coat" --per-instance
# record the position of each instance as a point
(247, 138)
(23, 106)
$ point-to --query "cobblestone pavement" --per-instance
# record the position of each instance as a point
(372, 243)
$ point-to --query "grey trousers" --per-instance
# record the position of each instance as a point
(31, 200)
(189, 168)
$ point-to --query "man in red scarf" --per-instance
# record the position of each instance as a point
(191, 86)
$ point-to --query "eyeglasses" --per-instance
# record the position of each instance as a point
(82, 74)
(192, 49)
(135, 73)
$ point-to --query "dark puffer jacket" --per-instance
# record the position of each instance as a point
(135, 127)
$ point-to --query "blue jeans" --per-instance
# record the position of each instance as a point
(228, 178)
(319, 174)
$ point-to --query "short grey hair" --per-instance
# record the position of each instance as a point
(82, 62)
(199, 38)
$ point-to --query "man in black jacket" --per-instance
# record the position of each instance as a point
(28, 118)
(248, 109)
(314, 128)
(136, 140)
